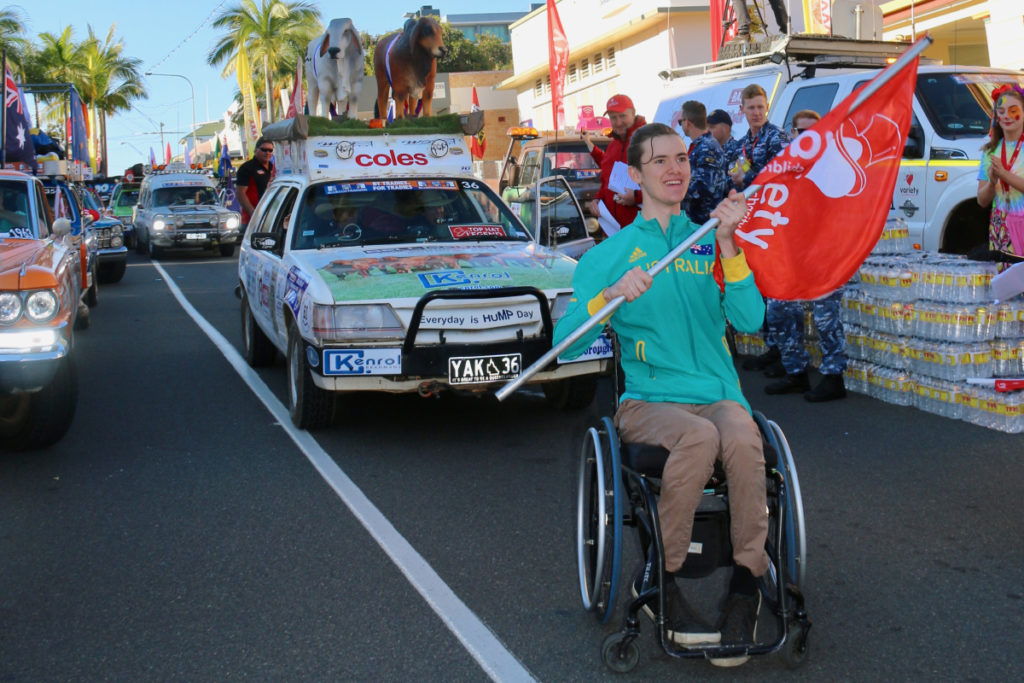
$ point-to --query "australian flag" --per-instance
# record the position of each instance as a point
(703, 249)
(17, 143)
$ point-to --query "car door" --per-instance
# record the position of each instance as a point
(278, 222)
(260, 292)
(559, 222)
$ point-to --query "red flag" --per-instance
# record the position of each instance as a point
(298, 98)
(167, 154)
(721, 13)
(558, 59)
(478, 145)
(824, 199)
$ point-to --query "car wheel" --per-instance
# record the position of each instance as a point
(259, 351)
(227, 250)
(310, 406)
(40, 419)
(572, 393)
(92, 295)
(113, 273)
(155, 252)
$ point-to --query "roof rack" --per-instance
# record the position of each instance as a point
(302, 127)
(797, 50)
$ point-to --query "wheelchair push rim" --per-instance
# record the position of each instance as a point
(599, 521)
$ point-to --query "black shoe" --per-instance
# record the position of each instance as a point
(830, 388)
(738, 625)
(685, 626)
(764, 360)
(790, 384)
(775, 370)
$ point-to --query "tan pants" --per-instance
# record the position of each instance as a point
(695, 436)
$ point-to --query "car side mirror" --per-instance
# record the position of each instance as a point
(61, 227)
(265, 241)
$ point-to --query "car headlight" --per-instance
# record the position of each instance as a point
(10, 307)
(116, 241)
(232, 222)
(356, 321)
(559, 307)
(159, 224)
(42, 306)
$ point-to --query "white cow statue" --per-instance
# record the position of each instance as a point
(334, 69)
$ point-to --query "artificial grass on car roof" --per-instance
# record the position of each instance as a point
(442, 123)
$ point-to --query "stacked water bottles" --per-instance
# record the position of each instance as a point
(918, 325)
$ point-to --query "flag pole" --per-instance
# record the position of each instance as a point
(3, 115)
(611, 306)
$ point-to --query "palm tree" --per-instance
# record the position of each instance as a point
(12, 35)
(60, 57)
(274, 32)
(111, 83)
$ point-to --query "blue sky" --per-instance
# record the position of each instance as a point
(174, 36)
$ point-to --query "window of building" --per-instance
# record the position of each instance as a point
(547, 83)
(572, 73)
(584, 68)
(538, 88)
(598, 63)
(610, 62)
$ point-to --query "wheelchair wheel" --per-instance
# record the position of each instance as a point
(599, 520)
(795, 530)
(794, 650)
(621, 657)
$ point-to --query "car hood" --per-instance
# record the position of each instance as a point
(38, 258)
(410, 271)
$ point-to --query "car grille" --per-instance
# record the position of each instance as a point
(102, 237)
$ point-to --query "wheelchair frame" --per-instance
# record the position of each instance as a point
(605, 486)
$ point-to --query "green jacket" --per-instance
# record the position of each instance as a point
(673, 345)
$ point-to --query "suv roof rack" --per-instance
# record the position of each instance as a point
(823, 51)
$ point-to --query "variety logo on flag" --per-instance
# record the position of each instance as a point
(824, 199)
(723, 19)
(558, 59)
(17, 143)
(478, 145)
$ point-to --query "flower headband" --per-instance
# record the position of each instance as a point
(1007, 88)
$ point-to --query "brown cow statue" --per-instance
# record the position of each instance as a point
(405, 63)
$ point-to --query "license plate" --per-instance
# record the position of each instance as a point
(196, 236)
(480, 369)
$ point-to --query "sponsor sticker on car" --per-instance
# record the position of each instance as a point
(601, 348)
(372, 361)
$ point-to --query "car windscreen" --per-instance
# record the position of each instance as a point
(14, 213)
(128, 198)
(959, 104)
(185, 195)
(91, 202)
(571, 160)
(342, 214)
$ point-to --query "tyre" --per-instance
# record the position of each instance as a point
(310, 406)
(155, 252)
(572, 393)
(92, 295)
(113, 272)
(259, 351)
(621, 657)
(227, 250)
(794, 650)
(37, 420)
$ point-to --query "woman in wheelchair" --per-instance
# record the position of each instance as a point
(681, 388)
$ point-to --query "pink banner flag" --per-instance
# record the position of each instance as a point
(558, 59)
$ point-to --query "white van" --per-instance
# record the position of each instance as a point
(936, 191)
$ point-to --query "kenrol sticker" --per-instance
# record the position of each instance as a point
(461, 232)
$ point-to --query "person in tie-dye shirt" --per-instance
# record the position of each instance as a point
(1001, 174)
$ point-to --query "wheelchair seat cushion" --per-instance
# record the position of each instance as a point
(649, 460)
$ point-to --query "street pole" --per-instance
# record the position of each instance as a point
(195, 145)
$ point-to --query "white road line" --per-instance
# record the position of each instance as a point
(481, 643)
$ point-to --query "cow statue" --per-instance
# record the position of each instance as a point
(405, 63)
(334, 69)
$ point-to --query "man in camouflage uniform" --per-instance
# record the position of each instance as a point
(759, 146)
(720, 126)
(786, 327)
(708, 182)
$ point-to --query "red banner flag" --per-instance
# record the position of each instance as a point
(298, 97)
(167, 154)
(723, 21)
(478, 145)
(824, 199)
(558, 59)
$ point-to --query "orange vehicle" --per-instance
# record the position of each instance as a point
(40, 290)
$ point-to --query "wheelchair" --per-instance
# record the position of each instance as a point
(618, 487)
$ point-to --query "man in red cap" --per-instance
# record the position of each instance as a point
(622, 114)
